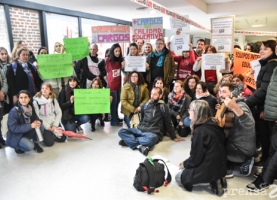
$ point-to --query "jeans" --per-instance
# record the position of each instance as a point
(25, 143)
(187, 121)
(128, 119)
(81, 119)
(134, 137)
(114, 107)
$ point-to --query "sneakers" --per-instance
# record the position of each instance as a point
(257, 174)
(257, 186)
(229, 173)
(122, 143)
(18, 151)
(216, 187)
(144, 150)
(246, 167)
(79, 129)
(38, 148)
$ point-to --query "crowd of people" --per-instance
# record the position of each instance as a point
(229, 122)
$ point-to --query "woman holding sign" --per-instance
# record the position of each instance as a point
(134, 93)
(66, 101)
(211, 77)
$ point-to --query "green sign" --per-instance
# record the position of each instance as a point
(78, 47)
(55, 65)
(91, 101)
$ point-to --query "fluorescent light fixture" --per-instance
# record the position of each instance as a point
(153, 12)
(258, 25)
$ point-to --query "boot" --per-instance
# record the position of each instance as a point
(216, 188)
(184, 131)
(2, 141)
(38, 148)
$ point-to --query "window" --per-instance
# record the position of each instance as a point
(4, 37)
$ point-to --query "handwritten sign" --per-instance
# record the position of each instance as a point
(242, 65)
(148, 28)
(78, 47)
(213, 61)
(222, 25)
(135, 63)
(91, 101)
(55, 65)
(177, 24)
(108, 34)
(256, 66)
(180, 43)
(223, 44)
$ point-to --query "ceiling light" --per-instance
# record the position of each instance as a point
(153, 12)
(258, 25)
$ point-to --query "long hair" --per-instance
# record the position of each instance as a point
(127, 78)
(112, 57)
(213, 49)
(55, 46)
(24, 92)
(52, 93)
(186, 85)
(8, 57)
(202, 113)
(68, 89)
(15, 48)
(270, 44)
(41, 49)
(164, 89)
(136, 46)
(203, 85)
(229, 76)
(98, 81)
(239, 76)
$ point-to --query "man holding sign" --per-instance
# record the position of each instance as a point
(92, 67)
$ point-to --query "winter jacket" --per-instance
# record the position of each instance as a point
(3, 83)
(48, 110)
(19, 80)
(17, 126)
(183, 112)
(207, 161)
(169, 68)
(67, 107)
(127, 98)
(241, 136)
(270, 106)
(154, 120)
(263, 80)
(211, 101)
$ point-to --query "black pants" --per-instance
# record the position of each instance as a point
(94, 117)
(49, 138)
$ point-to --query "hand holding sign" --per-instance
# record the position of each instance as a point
(179, 43)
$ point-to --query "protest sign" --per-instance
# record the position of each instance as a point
(177, 24)
(180, 43)
(110, 34)
(135, 63)
(256, 66)
(213, 61)
(55, 65)
(91, 101)
(78, 47)
(148, 28)
(242, 65)
(223, 44)
(222, 25)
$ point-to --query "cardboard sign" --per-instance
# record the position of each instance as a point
(78, 47)
(256, 66)
(213, 61)
(223, 44)
(148, 28)
(222, 25)
(135, 63)
(242, 65)
(179, 43)
(55, 65)
(91, 101)
(110, 34)
(177, 24)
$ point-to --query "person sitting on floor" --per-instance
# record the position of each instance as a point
(154, 117)
(240, 143)
(207, 151)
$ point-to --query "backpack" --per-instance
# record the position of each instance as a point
(4, 123)
(150, 175)
(39, 106)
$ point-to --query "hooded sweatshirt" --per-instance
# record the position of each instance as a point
(50, 113)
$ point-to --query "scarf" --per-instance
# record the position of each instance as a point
(137, 94)
(176, 100)
(4, 67)
(199, 96)
(27, 112)
(160, 56)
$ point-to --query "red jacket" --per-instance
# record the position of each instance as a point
(114, 75)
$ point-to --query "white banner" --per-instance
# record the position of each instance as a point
(135, 63)
(213, 61)
(148, 28)
(179, 43)
(256, 66)
(223, 44)
(177, 24)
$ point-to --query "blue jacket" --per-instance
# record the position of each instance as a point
(17, 126)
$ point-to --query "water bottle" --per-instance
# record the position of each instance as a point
(39, 134)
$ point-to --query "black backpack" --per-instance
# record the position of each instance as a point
(150, 175)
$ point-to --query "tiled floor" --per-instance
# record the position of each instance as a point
(100, 169)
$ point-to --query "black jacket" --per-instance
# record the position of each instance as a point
(83, 73)
(207, 161)
(19, 80)
(211, 101)
(155, 120)
(66, 106)
(263, 80)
